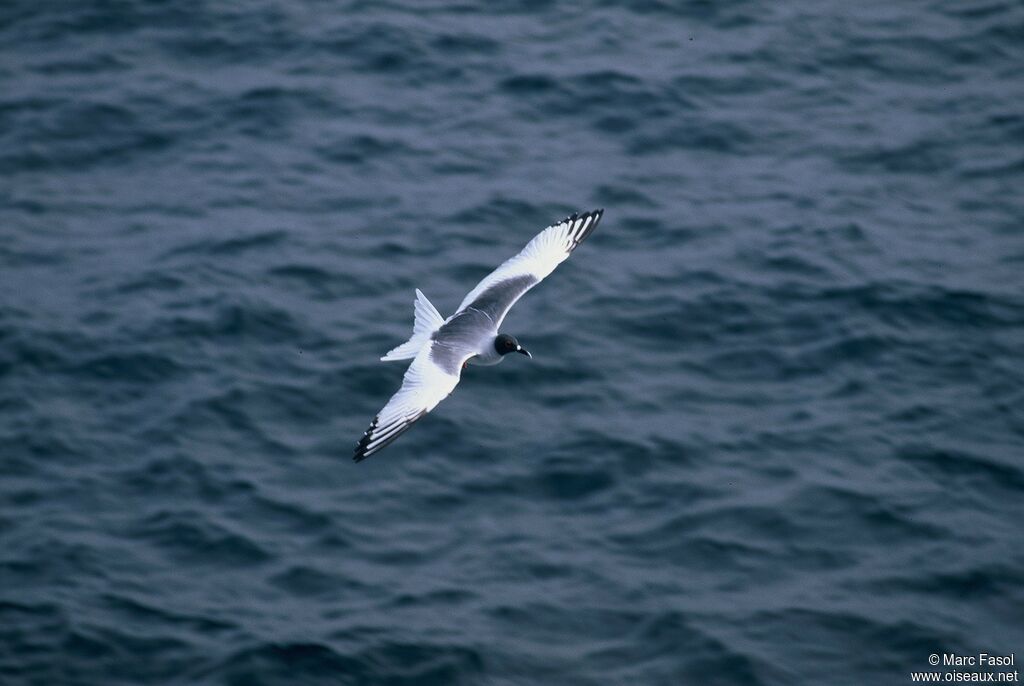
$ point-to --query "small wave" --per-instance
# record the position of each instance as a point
(309, 582)
(136, 610)
(883, 640)
(191, 538)
(918, 157)
(395, 663)
(234, 246)
(975, 471)
(128, 367)
(232, 321)
(365, 149)
(79, 135)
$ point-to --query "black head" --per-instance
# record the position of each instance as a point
(506, 344)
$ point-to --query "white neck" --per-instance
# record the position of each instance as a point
(489, 355)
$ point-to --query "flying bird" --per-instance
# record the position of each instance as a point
(440, 348)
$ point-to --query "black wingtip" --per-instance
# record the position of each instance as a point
(582, 215)
(360, 451)
(391, 432)
(591, 225)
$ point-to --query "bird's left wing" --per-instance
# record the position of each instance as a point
(425, 385)
(500, 289)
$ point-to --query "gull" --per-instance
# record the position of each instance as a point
(440, 348)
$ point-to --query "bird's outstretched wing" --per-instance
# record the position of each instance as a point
(425, 385)
(500, 289)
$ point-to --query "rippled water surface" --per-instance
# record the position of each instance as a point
(774, 425)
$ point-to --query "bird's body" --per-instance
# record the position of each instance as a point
(440, 348)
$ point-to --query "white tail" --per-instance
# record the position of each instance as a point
(426, 321)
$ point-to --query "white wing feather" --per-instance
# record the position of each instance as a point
(423, 387)
(547, 250)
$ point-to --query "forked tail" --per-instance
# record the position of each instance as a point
(426, 321)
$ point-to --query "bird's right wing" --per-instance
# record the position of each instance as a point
(425, 385)
(500, 289)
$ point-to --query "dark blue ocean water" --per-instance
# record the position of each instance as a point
(774, 428)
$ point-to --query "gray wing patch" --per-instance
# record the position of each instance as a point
(459, 337)
(466, 333)
(446, 358)
(496, 300)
